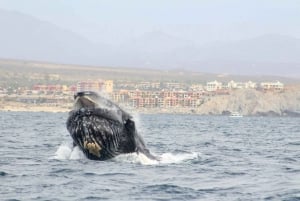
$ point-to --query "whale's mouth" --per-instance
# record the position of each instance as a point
(89, 100)
(86, 99)
(92, 100)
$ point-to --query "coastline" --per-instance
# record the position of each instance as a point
(153, 111)
(30, 108)
(55, 109)
(246, 102)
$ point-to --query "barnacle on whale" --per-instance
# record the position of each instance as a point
(92, 147)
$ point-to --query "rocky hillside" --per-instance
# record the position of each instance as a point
(253, 102)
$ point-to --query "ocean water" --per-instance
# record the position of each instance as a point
(202, 158)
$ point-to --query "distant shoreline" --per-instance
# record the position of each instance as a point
(56, 109)
(29, 108)
(248, 102)
(153, 111)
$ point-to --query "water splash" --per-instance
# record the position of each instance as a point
(136, 158)
(66, 151)
(166, 158)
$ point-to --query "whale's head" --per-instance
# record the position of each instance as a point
(87, 100)
(100, 127)
(92, 101)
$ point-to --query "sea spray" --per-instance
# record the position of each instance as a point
(168, 158)
(165, 158)
(66, 151)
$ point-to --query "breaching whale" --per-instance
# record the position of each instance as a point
(101, 129)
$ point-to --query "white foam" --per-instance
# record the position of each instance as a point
(136, 158)
(66, 151)
(166, 158)
(76, 154)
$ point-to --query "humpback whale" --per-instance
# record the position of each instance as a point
(101, 129)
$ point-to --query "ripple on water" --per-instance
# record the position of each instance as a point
(62, 171)
(292, 195)
(12, 200)
(202, 158)
(93, 174)
(170, 191)
(96, 198)
(297, 143)
(3, 174)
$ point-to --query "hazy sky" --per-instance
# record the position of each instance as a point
(199, 20)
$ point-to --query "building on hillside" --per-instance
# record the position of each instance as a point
(90, 85)
(72, 89)
(196, 87)
(120, 96)
(108, 86)
(235, 85)
(250, 85)
(214, 86)
(272, 86)
(128, 85)
(48, 89)
(173, 85)
(241, 85)
(148, 85)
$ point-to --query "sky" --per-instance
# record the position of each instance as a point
(113, 21)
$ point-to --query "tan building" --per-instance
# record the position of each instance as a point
(108, 86)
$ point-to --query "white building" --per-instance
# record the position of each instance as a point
(235, 85)
(196, 87)
(277, 86)
(242, 85)
(214, 86)
(250, 85)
